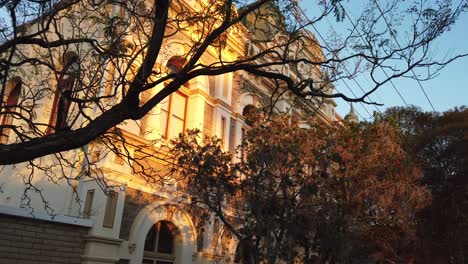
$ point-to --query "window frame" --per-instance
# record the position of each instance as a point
(166, 134)
(110, 210)
(66, 83)
(155, 256)
(222, 134)
(11, 103)
(88, 206)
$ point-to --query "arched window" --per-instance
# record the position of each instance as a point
(249, 113)
(65, 88)
(174, 109)
(160, 244)
(13, 90)
(176, 63)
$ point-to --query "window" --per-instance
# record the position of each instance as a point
(249, 113)
(223, 87)
(13, 89)
(242, 150)
(226, 84)
(223, 132)
(109, 214)
(232, 135)
(159, 244)
(65, 88)
(120, 154)
(109, 80)
(173, 112)
(176, 63)
(88, 208)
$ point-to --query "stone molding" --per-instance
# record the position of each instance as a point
(103, 240)
(98, 260)
(63, 219)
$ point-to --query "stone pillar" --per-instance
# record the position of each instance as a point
(195, 112)
(151, 123)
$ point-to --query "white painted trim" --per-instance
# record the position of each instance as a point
(104, 240)
(98, 259)
(63, 219)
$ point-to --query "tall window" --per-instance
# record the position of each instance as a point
(88, 207)
(173, 113)
(223, 132)
(248, 112)
(242, 150)
(159, 244)
(13, 90)
(65, 88)
(109, 213)
(225, 86)
(173, 110)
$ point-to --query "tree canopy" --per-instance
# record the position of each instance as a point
(309, 192)
(438, 143)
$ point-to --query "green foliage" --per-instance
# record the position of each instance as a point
(338, 10)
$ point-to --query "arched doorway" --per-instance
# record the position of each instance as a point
(160, 244)
(153, 230)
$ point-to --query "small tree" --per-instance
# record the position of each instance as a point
(336, 194)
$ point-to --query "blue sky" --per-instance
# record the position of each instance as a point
(447, 90)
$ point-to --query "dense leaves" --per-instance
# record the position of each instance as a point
(439, 144)
(309, 192)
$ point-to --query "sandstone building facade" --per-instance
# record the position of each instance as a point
(134, 221)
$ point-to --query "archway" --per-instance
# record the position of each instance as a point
(176, 222)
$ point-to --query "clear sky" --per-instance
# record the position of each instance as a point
(447, 90)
